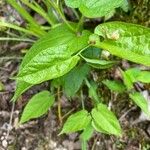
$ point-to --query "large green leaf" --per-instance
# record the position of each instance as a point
(76, 122)
(125, 40)
(98, 8)
(60, 35)
(105, 121)
(37, 106)
(94, 8)
(139, 99)
(49, 64)
(59, 38)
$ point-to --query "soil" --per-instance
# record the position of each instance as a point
(42, 133)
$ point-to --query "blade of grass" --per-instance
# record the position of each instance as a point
(13, 26)
(15, 39)
(26, 16)
(37, 8)
(57, 8)
(50, 12)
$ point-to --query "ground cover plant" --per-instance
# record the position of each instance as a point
(65, 54)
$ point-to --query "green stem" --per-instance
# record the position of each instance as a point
(56, 7)
(83, 144)
(59, 106)
(82, 100)
(80, 24)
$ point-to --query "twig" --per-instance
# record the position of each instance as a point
(11, 57)
(10, 121)
(68, 113)
(126, 113)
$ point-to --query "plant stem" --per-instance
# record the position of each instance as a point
(83, 144)
(10, 120)
(59, 106)
(68, 113)
(56, 7)
(82, 100)
(95, 140)
(80, 24)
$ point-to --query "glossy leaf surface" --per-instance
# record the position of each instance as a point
(48, 64)
(59, 38)
(125, 40)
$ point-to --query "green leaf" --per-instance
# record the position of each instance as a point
(58, 37)
(127, 80)
(133, 73)
(73, 3)
(74, 79)
(87, 132)
(140, 101)
(76, 122)
(94, 8)
(125, 40)
(93, 91)
(92, 53)
(99, 64)
(115, 85)
(37, 106)
(144, 77)
(105, 120)
(98, 8)
(21, 87)
(136, 75)
(49, 64)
